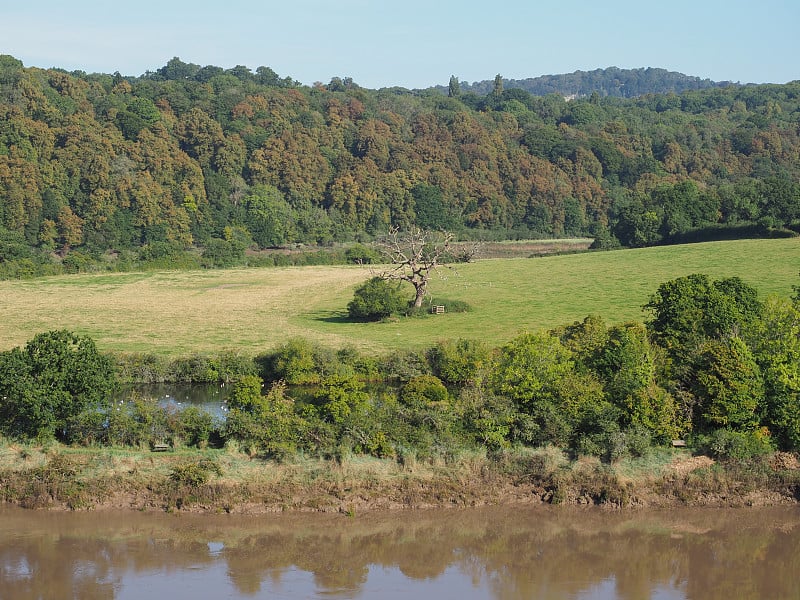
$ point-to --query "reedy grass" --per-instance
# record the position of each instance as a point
(58, 476)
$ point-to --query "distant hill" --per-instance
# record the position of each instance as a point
(615, 82)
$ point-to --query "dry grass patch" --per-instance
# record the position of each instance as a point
(174, 312)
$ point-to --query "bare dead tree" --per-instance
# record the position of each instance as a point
(415, 255)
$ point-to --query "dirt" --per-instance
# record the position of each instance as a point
(685, 465)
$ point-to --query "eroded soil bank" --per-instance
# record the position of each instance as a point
(219, 481)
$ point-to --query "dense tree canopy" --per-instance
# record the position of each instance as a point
(104, 164)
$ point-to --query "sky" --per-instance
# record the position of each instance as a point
(412, 43)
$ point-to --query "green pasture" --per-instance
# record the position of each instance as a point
(253, 310)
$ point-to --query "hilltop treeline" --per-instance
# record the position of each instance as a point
(105, 169)
(622, 83)
(713, 362)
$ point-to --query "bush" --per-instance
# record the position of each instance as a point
(376, 299)
(141, 368)
(195, 474)
(738, 446)
(402, 366)
(424, 391)
(300, 361)
(77, 262)
(223, 253)
(450, 306)
(361, 255)
(458, 362)
(136, 422)
(195, 426)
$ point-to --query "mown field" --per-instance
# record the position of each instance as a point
(253, 310)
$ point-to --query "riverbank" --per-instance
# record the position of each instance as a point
(229, 481)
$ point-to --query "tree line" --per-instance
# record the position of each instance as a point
(713, 364)
(196, 166)
(623, 83)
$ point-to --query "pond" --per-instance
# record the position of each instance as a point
(501, 553)
(210, 397)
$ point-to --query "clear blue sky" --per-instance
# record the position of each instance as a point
(412, 43)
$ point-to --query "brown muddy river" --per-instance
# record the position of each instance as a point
(503, 553)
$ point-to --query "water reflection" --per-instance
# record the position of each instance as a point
(210, 397)
(482, 553)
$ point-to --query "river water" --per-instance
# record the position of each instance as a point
(503, 553)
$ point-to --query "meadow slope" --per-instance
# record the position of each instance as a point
(253, 310)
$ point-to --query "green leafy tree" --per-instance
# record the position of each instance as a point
(268, 217)
(268, 422)
(626, 366)
(246, 395)
(430, 208)
(689, 310)
(635, 224)
(454, 87)
(488, 417)
(459, 362)
(537, 372)
(342, 403)
(530, 368)
(57, 375)
(497, 90)
(777, 351)
(301, 361)
(585, 339)
(728, 386)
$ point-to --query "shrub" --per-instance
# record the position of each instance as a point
(403, 366)
(450, 306)
(267, 423)
(458, 362)
(423, 391)
(376, 299)
(223, 253)
(77, 262)
(141, 368)
(361, 255)
(195, 426)
(726, 444)
(195, 474)
(86, 428)
(300, 361)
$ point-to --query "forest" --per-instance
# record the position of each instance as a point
(201, 166)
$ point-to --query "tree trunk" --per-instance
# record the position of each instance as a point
(420, 293)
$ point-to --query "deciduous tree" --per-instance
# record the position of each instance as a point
(57, 375)
(415, 254)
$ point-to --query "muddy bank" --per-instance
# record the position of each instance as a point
(221, 481)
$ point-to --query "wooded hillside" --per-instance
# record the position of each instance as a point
(190, 156)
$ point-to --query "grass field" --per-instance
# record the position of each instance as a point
(253, 310)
